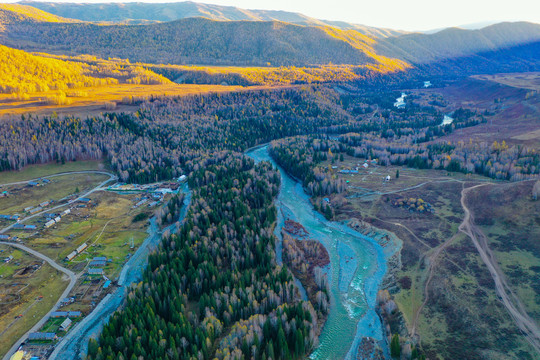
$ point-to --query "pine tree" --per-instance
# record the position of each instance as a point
(395, 348)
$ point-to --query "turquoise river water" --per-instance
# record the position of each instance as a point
(357, 266)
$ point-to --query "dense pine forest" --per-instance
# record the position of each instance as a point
(213, 290)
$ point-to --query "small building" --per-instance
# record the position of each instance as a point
(65, 324)
(96, 263)
(42, 336)
(30, 227)
(67, 300)
(74, 314)
(28, 208)
(71, 256)
(18, 226)
(100, 258)
(387, 178)
(14, 217)
(65, 212)
(32, 183)
(46, 181)
(36, 210)
(8, 259)
(182, 178)
(4, 237)
(81, 248)
(107, 284)
(95, 271)
(59, 314)
(85, 200)
(45, 203)
(49, 223)
(57, 219)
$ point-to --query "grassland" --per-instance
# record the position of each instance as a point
(37, 171)
(19, 294)
(512, 225)
(22, 196)
(462, 305)
(95, 100)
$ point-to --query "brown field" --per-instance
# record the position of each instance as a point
(529, 80)
(101, 99)
(513, 108)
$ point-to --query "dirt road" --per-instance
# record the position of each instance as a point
(512, 303)
(72, 276)
(39, 324)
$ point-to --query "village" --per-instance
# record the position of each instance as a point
(86, 224)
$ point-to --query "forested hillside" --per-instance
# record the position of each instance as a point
(272, 43)
(13, 13)
(458, 43)
(197, 41)
(129, 12)
(21, 72)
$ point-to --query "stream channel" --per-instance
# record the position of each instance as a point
(357, 267)
(75, 344)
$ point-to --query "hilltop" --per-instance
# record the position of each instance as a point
(164, 12)
(201, 41)
(12, 13)
(220, 39)
(454, 42)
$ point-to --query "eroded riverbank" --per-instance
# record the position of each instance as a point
(358, 265)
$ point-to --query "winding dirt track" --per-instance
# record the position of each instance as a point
(512, 303)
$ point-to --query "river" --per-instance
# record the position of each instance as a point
(357, 267)
(74, 345)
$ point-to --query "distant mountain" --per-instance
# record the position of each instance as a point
(13, 13)
(201, 41)
(456, 43)
(144, 12)
(197, 40)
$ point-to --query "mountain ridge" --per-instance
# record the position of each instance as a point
(202, 41)
(165, 12)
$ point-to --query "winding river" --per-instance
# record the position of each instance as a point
(357, 266)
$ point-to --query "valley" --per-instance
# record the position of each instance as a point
(185, 180)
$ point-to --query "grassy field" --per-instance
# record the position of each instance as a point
(37, 171)
(23, 196)
(106, 226)
(511, 225)
(101, 99)
(462, 306)
(530, 81)
(19, 295)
